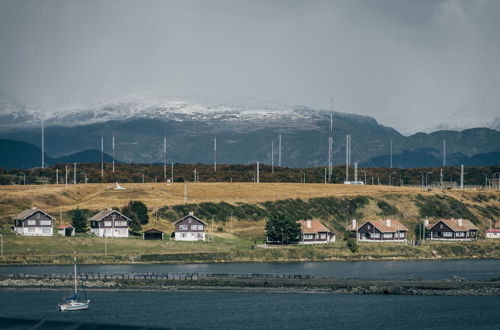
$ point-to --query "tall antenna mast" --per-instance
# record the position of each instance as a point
(102, 157)
(444, 153)
(330, 142)
(215, 154)
(43, 143)
(347, 155)
(272, 156)
(113, 143)
(390, 161)
(279, 150)
(165, 158)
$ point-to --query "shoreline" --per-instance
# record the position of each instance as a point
(269, 285)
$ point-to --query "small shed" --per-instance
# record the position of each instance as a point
(152, 234)
(66, 230)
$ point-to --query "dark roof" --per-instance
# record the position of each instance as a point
(29, 212)
(382, 225)
(152, 230)
(457, 224)
(192, 216)
(104, 213)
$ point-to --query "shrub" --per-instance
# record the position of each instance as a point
(352, 244)
(281, 228)
(386, 208)
(79, 221)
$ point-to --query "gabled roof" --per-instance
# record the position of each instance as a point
(316, 227)
(384, 227)
(64, 227)
(454, 225)
(192, 216)
(153, 230)
(104, 213)
(493, 230)
(29, 212)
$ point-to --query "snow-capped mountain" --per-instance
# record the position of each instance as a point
(15, 114)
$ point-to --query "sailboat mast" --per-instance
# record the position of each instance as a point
(74, 258)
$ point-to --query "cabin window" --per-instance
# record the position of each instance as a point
(190, 220)
(441, 226)
(107, 224)
(31, 222)
(388, 235)
(38, 215)
(46, 230)
(322, 236)
(447, 234)
(31, 230)
(183, 227)
(121, 223)
(369, 227)
(196, 227)
(45, 223)
(460, 234)
(308, 236)
(375, 235)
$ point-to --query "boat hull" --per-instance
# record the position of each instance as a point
(74, 306)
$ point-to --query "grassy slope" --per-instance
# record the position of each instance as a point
(233, 240)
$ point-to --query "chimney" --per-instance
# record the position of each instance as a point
(426, 222)
(388, 222)
(33, 208)
(460, 222)
(191, 213)
(353, 223)
(308, 224)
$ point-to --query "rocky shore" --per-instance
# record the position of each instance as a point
(254, 283)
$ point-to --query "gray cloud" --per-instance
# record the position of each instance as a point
(407, 63)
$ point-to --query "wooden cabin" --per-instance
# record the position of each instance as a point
(109, 223)
(34, 222)
(386, 230)
(190, 228)
(152, 234)
(314, 232)
(453, 229)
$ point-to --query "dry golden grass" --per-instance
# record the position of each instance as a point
(55, 198)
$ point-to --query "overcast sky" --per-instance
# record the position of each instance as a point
(409, 64)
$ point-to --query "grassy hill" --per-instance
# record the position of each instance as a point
(236, 214)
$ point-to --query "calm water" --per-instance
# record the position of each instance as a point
(262, 310)
(482, 269)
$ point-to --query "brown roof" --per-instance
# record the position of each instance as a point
(28, 212)
(497, 224)
(104, 213)
(454, 224)
(316, 227)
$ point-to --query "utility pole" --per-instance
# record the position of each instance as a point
(57, 176)
(74, 173)
(444, 153)
(113, 145)
(172, 173)
(43, 144)
(215, 154)
(185, 193)
(272, 156)
(347, 155)
(325, 175)
(258, 172)
(102, 158)
(462, 176)
(66, 178)
(441, 178)
(164, 159)
(356, 171)
(279, 150)
(390, 163)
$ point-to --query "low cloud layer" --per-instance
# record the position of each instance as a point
(410, 64)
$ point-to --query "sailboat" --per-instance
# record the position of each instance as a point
(73, 303)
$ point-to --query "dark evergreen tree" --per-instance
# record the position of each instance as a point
(79, 221)
(137, 211)
(282, 228)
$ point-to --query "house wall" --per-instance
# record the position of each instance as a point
(113, 225)
(189, 229)
(317, 238)
(368, 232)
(493, 235)
(37, 224)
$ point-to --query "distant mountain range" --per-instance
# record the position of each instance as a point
(22, 155)
(244, 133)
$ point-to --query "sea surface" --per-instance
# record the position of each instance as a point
(200, 310)
(469, 269)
